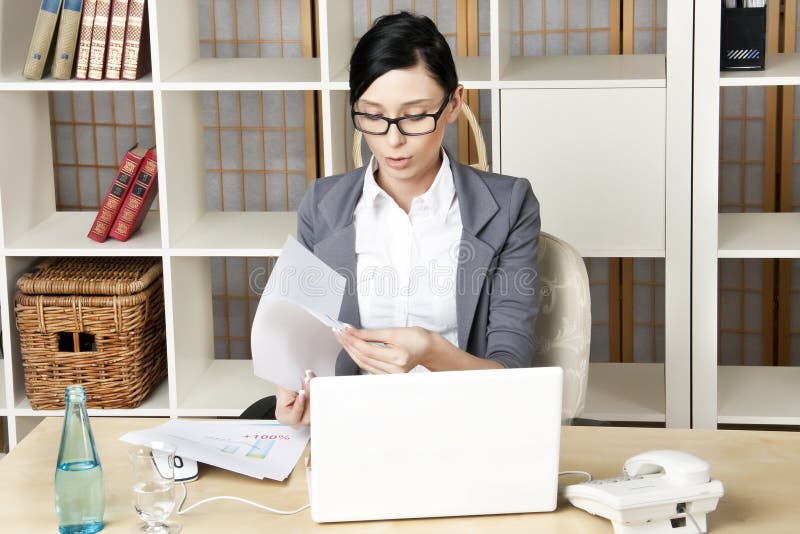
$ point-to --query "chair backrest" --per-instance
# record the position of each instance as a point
(564, 321)
(477, 133)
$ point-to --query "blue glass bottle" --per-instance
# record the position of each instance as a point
(80, 491)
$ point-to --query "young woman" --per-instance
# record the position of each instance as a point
(440, 259)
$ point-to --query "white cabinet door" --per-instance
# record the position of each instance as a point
(595, 159)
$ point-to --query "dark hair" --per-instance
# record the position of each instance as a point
(401, 41)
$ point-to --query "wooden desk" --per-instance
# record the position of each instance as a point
(760, 471)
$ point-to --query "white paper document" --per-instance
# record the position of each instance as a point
(292, 328)
(259, 449)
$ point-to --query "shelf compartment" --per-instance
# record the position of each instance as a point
(212, 312)
(225, 389)
(156, 404)
(584, 72)
(779, 69)
(33, 222)
(633, 392)
(237, 234)
(758, 395)
(247, 74)
(17, 20)
(759, 235)
(233, 183)
(182, 31)
(620, 169)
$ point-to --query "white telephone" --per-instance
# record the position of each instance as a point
(660, 492)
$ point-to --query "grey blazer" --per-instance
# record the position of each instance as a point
(496, 300)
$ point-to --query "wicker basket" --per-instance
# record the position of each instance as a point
(98, 322)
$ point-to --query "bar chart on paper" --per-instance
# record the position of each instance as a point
(260, 449)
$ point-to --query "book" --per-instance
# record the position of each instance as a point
(116, 39)
(85, 40)
(97, 55)
(136, 60)
(112, 202)
(137, 202)
(66, 43)
(42, 39)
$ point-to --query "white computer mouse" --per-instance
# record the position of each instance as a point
(185, 468)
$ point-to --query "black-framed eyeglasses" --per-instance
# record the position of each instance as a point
(421, 124)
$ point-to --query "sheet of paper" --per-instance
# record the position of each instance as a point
(259, 449)
(292, 328)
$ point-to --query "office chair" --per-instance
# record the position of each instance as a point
(564, 322)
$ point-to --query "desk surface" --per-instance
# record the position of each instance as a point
(760, 471)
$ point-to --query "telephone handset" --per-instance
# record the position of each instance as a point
(658, 491)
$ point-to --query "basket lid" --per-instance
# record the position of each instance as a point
(91, 276)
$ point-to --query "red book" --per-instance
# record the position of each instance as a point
(138, 200)
(136, 56)
(112, 202)
(97, 54)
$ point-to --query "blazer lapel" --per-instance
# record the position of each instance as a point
(477, 207)
(339, 252)
(338, 249)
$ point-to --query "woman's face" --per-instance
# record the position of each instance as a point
(402, 92)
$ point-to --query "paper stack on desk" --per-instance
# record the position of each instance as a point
(292, 328)
(259, 449)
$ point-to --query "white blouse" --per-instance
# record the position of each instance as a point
(406, 262)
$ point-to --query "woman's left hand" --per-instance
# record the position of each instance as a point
(402, 350)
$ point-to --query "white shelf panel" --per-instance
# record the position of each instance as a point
(626, 392)
(20, 83)
(64, 234)
(156, 404)
(621, 253)
(225, 389)
(237, 234)
(585, 72)
(779, 69)
(758, 395)
(759, 235)
(473, 73)
(247, 74)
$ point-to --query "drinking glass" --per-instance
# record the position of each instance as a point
(154, 486)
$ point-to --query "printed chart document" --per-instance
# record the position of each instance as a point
(292, 328)
(259, 449)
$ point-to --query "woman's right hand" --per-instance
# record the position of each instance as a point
(293, 408)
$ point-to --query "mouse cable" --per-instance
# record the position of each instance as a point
(237, 499)
(181, 511)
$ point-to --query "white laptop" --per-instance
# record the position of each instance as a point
(435, 444)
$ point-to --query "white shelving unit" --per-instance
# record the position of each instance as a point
(186, 235)
(728, 394)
